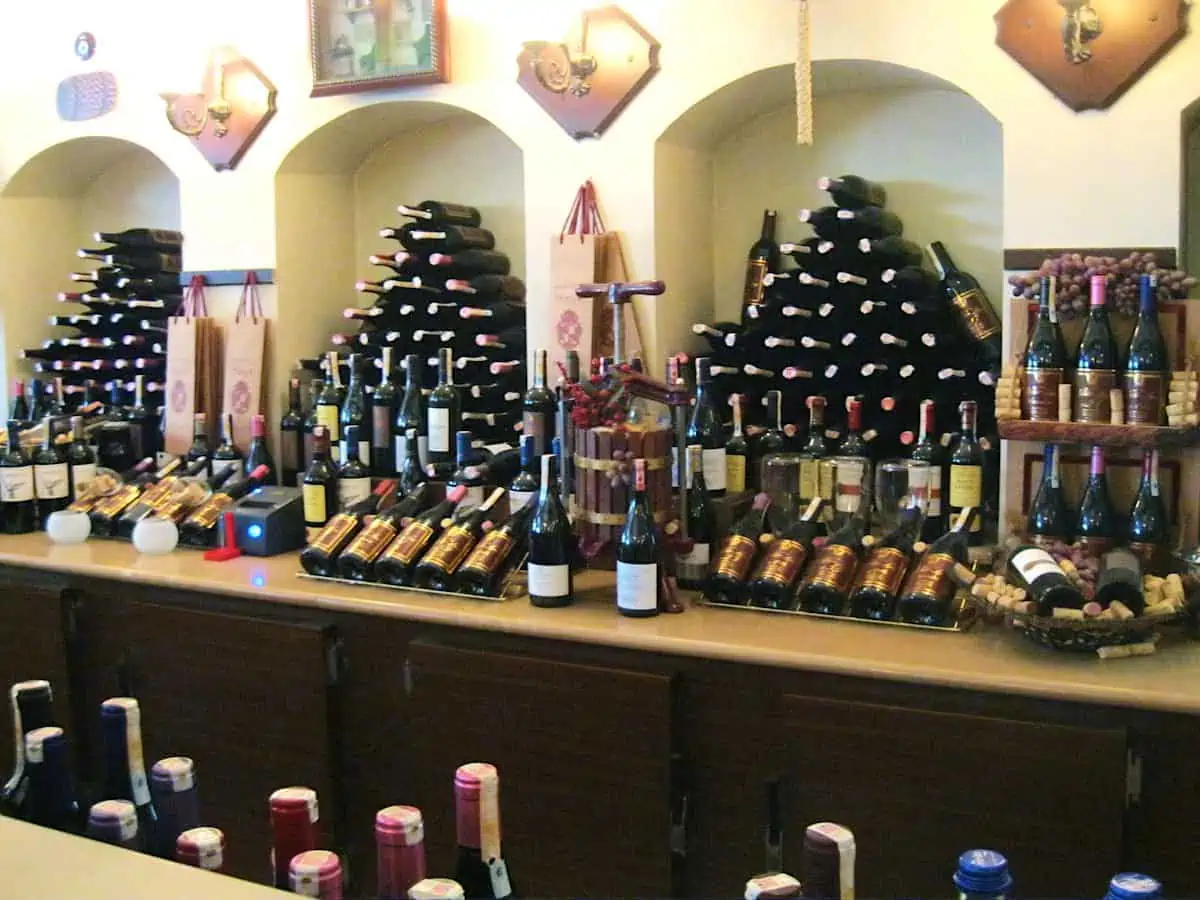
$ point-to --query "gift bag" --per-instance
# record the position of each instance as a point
(244, 343)
(584, 253)
(193, 368)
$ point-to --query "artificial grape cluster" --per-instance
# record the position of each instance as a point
(621, 472)
(1074, 272)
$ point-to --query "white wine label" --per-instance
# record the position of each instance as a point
(925, 482)
(81, 476)
(1034, 563)
(472, 498)
(364, 450)
(351, 490)
(423, 449)
(16, 484)
(133, 746)
(519, 499)
(713, 463)
(440, 437)
(849, 485)
(401, 451)
(52, 482)
(498, 874)
(966, 489)
(637, 586)
(699, 555)
(549, 581)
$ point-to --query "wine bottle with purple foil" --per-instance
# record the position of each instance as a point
(480, 869)
(1096, 361)
(173, 790)
(1045, 360)
(1049, 519)
(1147, 367)
(115, 822)
(1149, 528)
(32, 708)
(1097, 529)
(727, 581)
(124, 767)
(763, 258)
(51, 801)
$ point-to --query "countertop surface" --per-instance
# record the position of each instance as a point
(988, 658)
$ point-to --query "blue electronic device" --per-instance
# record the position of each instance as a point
(269, 521)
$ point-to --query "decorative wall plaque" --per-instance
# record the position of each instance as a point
(1089, 52)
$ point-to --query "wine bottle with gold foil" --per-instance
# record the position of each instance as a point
(1097, 529)
(1096, 361)
(437, 567)
(396, 563)
(736, 451)
(1147, 368)
(199, 529)
(826, 585)
(496, 555)
(1045, 360)
(321, 554)
(774, 579)
(357, 553)
(881, 574)
(727, 582)
(928, 593)
(181, 503)
(105, 513)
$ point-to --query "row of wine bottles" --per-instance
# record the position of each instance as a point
(1142, 372)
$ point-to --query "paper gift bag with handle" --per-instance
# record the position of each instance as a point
(244, 342)
(584, 253)
(185, 347)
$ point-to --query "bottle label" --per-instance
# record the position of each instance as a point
(713, 464)
(472, 498)
(637, 586)
(883, 571)
(364, 450)
(752, 293)
(1093, 402)
(206, 516)
(977, 314)
(1094, 546)
(966, 489)
(439, 430)
(406, 548)
(82, 476)
(925, 483)
(327, 415)
(289, 452)
(371, 541)
(1039, 400)
(489, 554)
(315, 512)
(698, 556)
(826, 476)
(834, 568)
(17, 484)
(220, 466)
(381, 427)
(674, 467)
(735, 473)
(810, 478)
(423, 449)
(52, 482)
(850, 474)
(402, 452)
(334, 534)
(450, 549)
(931, 577)
(782, 562)
(519, 499)
(1143, 398)
(1033, 564)
(352, 490)
(549, 581)
(736, 556)
(133, 748)
(535, 424)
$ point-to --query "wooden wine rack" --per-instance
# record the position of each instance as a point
(1144, 436)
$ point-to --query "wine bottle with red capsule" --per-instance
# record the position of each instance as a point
(480, 870)
(202, 847)
(399, 851)
(294, 829)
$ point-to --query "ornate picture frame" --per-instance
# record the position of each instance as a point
(370, 45)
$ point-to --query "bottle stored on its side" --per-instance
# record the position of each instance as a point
(319, 487)
(442, 213)
(966, 471)
(983, 875)
(108, 511)
(927, 597)
(124, 768)
(322, 555)
(294, 816)
(1097, 530)
(114, 822)
(51, 801)
(396, 563)
(202, 848)
(1149, 528)
(363, 542)
(637, 553)
(727, 581)
(439, 564)
(974, 311)
(827, 862)
(1147, 367)
(1096, 361)
(763, 258)
(774, 580)
(179, 504)
(32, 708)
(18, 507)
(692, 567)
(853, 191)
(881, 575)
(736, 450)
(1120, 579)
(399, 851)
(291, 437)
(550, 543)
(51, 476)
(173, 790)
(480, 868)
(826, 585)
(199, 529)
(1045, 360)
(498, 552)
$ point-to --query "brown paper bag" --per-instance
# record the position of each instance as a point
(244, 342)
(184, 346)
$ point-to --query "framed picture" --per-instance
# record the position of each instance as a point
(366, 45)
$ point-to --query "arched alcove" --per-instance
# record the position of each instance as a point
(50, 208)
(342, 183)
(1189, 207)
(734, 153)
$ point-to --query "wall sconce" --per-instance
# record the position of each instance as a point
(227, 116)
(586, 80)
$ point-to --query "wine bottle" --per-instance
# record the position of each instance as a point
(1147, 368)
(704, 428)
(525, 488)
(853, 444)
(354, 411)
(396, 563)
(200, 449)
(727, 583)
(81, 460)
(1133, 886)
(173, 791)
(470, 263)
(442, 213)
(19, 408)
(321, 556)
(538, 407)
(160, 239)
(51, 476)
(32, 708)
(826, 585)
(444, 415)
(201, 848)
(498, 552)
(972, 308)
(1033, 568)
(881, 575)
(815, 448)
(1095, 361)
(737, 450)
(927, 474)
(1120, 580)
(315, 386)
(384, 462)
(228, 454)
(132, 496)
(966, 471)
(1097, 529)
(550, 544)
(480, 868)
(259, 453)
(929, 589)
(1045, 359)
(329, 405)
(771, 441)
(1049, 520)
(436, 889)
(437, 567)
(115, 822)
(411, 475)
(199, 529)
(692, 567)
(294, 813)
(399, 851)
(772, 585)
(18, 509)
(410, 414)
(319, 488)
(637, 553)
(51, 800)
(1149, 529)
(853, 191)
(353, 475)
(364, 542)
(423, 237)
(827, 862)
(851, 225)
(891, 252)
(124, 768)
(465, 473)
(763, 258)
(499, 315)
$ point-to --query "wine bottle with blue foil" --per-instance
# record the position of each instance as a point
(1049, 519)
(124, 766)
(1147, 368)
(1046, 361)
(173, 790)
(32, 705)
(1149, 529)
(1133, 886)
(1098, 529)
(983, 875)
(51, 800)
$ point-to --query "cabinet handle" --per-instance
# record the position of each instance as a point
(1133, 778)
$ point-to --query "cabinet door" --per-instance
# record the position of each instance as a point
(248, 699)
(32, 646)
(918, 788)
(583, 754)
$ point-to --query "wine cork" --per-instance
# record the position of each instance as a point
(1179, 409)
(1066, 612)
(1120, 610)
(1181, 396)
(1187, 375)
(1116, 402)
(1064, 403)
(1122, 651)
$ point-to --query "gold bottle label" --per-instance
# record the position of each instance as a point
(834, 568)
(334, 533)
(112, 506)
(782, 562)
(966, 489)
(1039, 400)
(450, 549)
(371, 541)
(489, 554)
(752, 294)
(206, 516)
(735, 473)
(931, 577)
(1143, 398)
(1093, 402)
(977, 314)
(406, 548)
(810, 478)
(736, 556)
(883, 571)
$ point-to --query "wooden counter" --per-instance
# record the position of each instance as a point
(985, 659)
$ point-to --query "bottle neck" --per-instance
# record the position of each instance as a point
(294, 396)
(816, 414)
(1150, 468)
(941, 259)
(445, 369)
(1097, 467)
(768, 225)
(386, 366)
(547, 477)
(539, 369)
(736, 406)
(1050, 466)
(1148, 302)
(775, 411)
(927, 421)
(854, 417)
(411, 370)
(968, 420)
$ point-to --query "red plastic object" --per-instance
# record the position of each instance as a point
(230, 550)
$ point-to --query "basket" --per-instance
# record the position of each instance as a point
(1089, 635)
(600, 505)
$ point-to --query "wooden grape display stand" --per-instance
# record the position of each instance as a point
(601, 506)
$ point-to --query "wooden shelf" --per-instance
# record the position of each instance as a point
(1104, 435)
